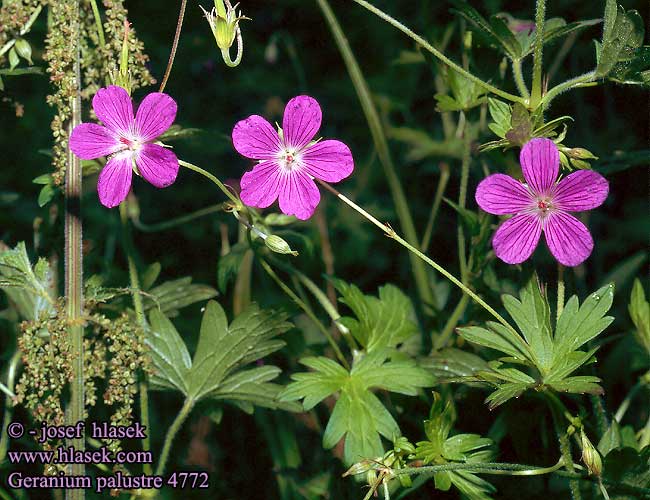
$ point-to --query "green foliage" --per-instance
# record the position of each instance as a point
(621, 55)
(29, 288)
(358, 415)
(441, 448)
(384, 321)
(465, 94)
(219, 371)
(554, 355)
(639, 309)
(173, 295)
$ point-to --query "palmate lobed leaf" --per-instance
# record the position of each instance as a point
(176, 294)
(358, 415)
(29, 287)
(554, 355)
(217, 370)
(384, 321)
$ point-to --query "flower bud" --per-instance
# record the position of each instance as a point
(590, 455)
(581, 154)
(359, 468)
(278, 245)
(224, 23)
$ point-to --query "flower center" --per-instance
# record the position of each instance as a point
(544, 205)
(289, 160)
(132, 144)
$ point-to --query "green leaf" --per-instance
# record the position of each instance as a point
(228, 265)
(501, 116)
(622, 35)
(24, 50)
(520, 126)
(29, 288)
(46, 194)
(611, 440)
(453, 364)
(14, 60)
(495, 32)
(579, 325)
(384, 321)
(578, 385)
(358, 415)
(493, 340)
(533, 317)
(506, 392)
(629, 467)
(219, 368)
(176, 294)
(639, 310)
(170, 357)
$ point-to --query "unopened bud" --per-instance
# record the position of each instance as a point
(278, 245)
(224, 23)
(590, 455)
(359, 468)
(581, 154)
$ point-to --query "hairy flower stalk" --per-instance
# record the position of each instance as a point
(74, 260)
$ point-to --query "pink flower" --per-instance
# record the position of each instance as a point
(288, 162)
(542, 204)
(126, 138)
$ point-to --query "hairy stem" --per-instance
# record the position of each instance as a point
(430, 48)
(171, 434)
(557, 411)
(219, 184)
(462, 199)
(540, 18)
(567, 85)
(129, 250)
(9, 403)
(390, 232)
(519, 79)
(381, 144)
(172, 54)
(73, 256)
(308, 311)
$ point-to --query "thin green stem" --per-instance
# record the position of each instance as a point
(519, 79)
(493, 468)
(172, 54)
(430, 48)
(9, 404)
(558, 411)
(567, 85)
(381, 145)
(560, 292)
(392, 234)
(98, 23)
(73, 256)
(540, 19)
(644, 439)
(177, 221)
(322, 299)
(441, 340)
(308, 311)
(143, 390)
(219, 184)
(171, 434)
(462, 198)
(437, 199)
(625, 404)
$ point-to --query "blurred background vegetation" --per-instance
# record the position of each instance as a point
(289, 51)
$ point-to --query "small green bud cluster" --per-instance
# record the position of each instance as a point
(224, 23)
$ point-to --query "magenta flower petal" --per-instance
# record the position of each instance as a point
(301, 120)
(254, 137)
(89, 141)
(115, 180)
(157, 165)
(114, 108)
(155, 115)
(500, 194)
(568, 239)
(329, 161)
(516, 238)
(581, 190)
(540, 162)
(261, 186)
(299, 195)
